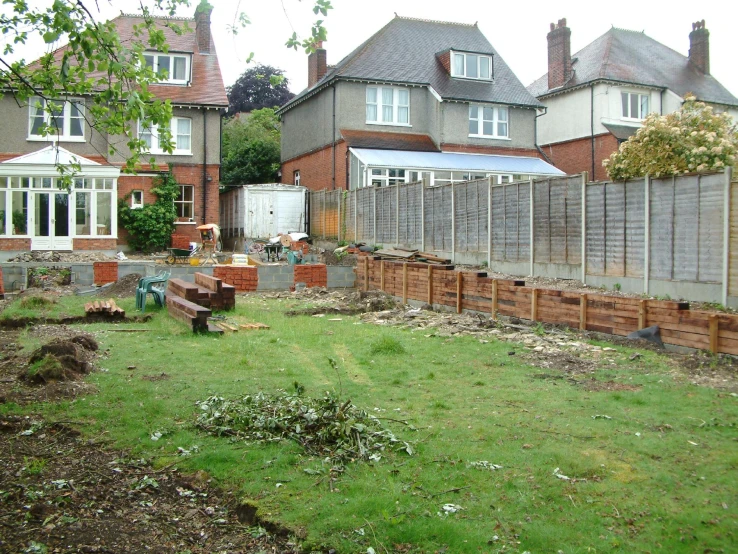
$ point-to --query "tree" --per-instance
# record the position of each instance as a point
(95, 64)
(692, 139)
(262, 86)
(251, 148)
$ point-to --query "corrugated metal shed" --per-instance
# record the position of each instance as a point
(453, 161)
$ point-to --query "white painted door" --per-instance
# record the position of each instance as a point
(50, 227)
(260, 222)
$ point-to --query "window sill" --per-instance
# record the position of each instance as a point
(185, 222)
(465, 78)
(162, 153)
(383, 124)
(54, 138)
(488, 137)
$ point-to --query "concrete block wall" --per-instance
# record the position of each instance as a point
(276, 277)
(340, 277)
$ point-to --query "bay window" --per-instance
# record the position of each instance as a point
(635, 105)
(388, 105)
(56, 119)
(488, 121)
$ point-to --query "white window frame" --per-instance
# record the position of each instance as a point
(64, 133)
(638, 95)
(156, 148)
(464, 74)
(296, 177)
(396, 106)
(178, 202)
(496, 121)
(170, 80)
(137, 203)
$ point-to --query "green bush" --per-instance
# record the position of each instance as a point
(150, 228)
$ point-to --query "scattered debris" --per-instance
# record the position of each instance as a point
(325, 427)
(484, 464)
(651, 334)
(254, 326)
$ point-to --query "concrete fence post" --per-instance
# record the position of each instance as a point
(397, 214)
(584, 227)
(453, 223)
(422, 217)
(726, 234)
(489, 222)
(532, 229)
(338, 223)
(356, 215)
(647, 233)
(375, 215)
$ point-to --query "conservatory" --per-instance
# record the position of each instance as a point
(378, 168)
(33, 207)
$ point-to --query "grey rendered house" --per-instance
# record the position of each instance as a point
(36, 215)
(419, 100)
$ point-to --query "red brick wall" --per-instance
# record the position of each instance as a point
(316, 168)
(575, 156)
(500, 150)
(15, 244)
(313, 275)
(245, 279)
(104, 272)
(185, 174)
(94, 244)
(445, 60)
(180, 241)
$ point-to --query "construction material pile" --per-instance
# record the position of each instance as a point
(104, 307)
(407, 255)
(192, 302)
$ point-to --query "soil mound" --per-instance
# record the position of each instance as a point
(61, 360)
(123, 287)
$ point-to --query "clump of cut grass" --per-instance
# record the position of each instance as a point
(49, 368)
(387, 345)
(36, 303)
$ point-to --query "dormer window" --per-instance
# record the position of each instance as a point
(171, 68)
(471, 66)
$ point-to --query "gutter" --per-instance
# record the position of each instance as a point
(592, 128)
(204, 165)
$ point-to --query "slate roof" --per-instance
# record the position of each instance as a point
(389, 141)
(404, 51)
(634, 57)
(206, 87)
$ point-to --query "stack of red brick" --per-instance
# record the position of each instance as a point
(104, 272)
(302, 246)
(243, 278)
(313, 275)
(181, 241)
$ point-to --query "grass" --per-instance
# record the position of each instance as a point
(658, 475)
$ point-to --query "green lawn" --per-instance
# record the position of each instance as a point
(659, 474)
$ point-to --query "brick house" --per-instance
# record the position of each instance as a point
(598, 97)
(418, 100)
(43, 217)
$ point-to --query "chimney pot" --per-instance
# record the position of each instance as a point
(699, 47)
(559, 54)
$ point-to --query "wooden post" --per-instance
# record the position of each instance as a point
(642, 311)
(583, 299)
(459, 287)
(404, 283)
(534, 305)
(430, 284)
(494, 299)
(366, 273)
(714, 327)
(381, 274)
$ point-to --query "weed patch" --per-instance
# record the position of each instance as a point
(387, 345)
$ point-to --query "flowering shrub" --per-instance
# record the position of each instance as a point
(692, 139)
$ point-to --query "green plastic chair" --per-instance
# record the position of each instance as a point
(146, 287)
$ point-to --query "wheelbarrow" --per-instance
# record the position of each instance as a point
(180, 255)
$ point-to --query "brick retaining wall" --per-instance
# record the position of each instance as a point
(105, 272)
(313, 275)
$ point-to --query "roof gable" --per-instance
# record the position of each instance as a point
(634, 57)
(406, 51)
(51, 155)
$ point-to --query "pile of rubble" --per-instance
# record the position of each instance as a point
(60, 257)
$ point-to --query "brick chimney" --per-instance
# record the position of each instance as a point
(317, 66)
(699, 47)
(202, 26)
(559, 54)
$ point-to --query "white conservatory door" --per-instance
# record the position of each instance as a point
(51, 221)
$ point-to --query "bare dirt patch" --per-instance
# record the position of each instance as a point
(345, 303)
(53, 372)
(709, 370)
(63, 493)
(123, 287)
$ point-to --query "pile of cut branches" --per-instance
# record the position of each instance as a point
(325, 427)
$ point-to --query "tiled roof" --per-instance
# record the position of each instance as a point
(633, 57)
(389, 141)
(206, 87)
(404, 51)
